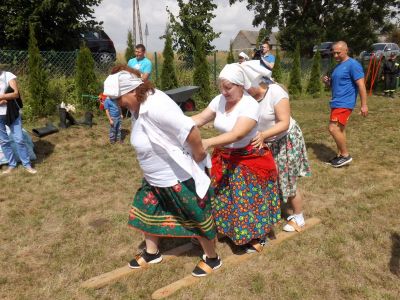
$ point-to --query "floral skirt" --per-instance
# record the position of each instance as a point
(246, 203)
(290, 156)
(174, 211)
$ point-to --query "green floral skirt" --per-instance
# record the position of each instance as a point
(174, 211)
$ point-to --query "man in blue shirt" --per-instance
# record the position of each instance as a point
(268, 60)
(140, 62)
(346, 81)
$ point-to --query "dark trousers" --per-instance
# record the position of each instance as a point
(390, 83)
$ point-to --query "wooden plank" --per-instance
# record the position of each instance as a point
(229, 261)
(110, 277)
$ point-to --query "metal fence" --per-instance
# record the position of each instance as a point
(56, 62)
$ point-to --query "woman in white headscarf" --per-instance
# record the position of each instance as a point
(245, 202)
(281, 133)
(174, 197)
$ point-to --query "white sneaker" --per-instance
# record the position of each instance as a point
(30, 170)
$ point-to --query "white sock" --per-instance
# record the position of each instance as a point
(299, 219)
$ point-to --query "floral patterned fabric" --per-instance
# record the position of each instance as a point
(172, 212)
(290, 156)
(245, 203)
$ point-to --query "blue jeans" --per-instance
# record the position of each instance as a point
(115, 130)
(16, 131)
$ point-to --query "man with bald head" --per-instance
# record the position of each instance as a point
(346, 81)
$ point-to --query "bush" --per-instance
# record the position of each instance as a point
(230, 59)
(295, 87)
(277, 70)
(85, 79)
(201, 74)
(168, 74)
(315, 85)
(130, 50)
(39, 101)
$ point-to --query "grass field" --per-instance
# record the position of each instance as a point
(69, 222)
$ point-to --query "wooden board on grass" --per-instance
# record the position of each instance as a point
(110, 277)
(231, 260)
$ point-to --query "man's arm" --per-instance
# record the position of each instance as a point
(363, 96)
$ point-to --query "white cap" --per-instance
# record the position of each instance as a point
(244, 55)
(120, 83)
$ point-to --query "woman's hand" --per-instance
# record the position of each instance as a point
(206, 144)
(258, 140)
(2, 102)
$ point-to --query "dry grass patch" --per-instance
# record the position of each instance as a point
(69, 222)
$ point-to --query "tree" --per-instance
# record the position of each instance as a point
(356, 22)
(295, 88)
(277, 70)
(168, 74)
(38, 79)
(201, 74)
(230, 59)
(194, 16)
(130, 49)
(315, 85)
(58, 23)
(85, 78)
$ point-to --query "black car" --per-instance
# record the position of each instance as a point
(101, 46)
(325, 49)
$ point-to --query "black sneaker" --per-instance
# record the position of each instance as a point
(341, 161)
(144, 258)
(202, 268)
(333, 159)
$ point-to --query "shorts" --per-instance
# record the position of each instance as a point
(340, 115)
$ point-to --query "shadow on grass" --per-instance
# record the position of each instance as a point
(323, 152)
(43, 149)
(124, 133)
(394, 263)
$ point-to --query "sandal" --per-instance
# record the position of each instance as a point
(292, 226)
(206, 266)
(255, 246)
(142, 259)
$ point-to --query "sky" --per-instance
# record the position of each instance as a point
(117, 17)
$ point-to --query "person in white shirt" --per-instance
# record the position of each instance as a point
(8, 80)
(246, 202)
(281, 133)
(174, 198)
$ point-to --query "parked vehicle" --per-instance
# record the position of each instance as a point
(380, 50)
(325, 49)
(101, 46)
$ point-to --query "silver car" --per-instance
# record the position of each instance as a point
(380, 50)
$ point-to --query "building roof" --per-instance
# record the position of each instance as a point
(252, 35)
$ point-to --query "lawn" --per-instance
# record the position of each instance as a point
(68, 223)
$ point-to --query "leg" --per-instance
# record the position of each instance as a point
(297, 203)
(111, 133)
(208, 247)
(296, 220)
(337, 131)
(151, 243)
(16, 129)
(118, 130)
(6, 144)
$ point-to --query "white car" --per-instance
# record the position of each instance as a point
(379, 50)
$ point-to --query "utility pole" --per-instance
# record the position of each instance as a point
(136, 18)
(146, 33)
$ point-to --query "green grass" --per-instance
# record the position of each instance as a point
(69, 222)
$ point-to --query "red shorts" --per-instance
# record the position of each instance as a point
(340, 115)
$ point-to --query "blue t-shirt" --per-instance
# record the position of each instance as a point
(112, 108)
(269, 58)
(143, 66)
(343, 84)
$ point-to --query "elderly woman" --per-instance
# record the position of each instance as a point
(174, 198)
(246, 202)
(283, 136)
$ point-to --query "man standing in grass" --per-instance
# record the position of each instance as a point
(140, 62)
(346, 81)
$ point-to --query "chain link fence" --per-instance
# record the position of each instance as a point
(57, 63)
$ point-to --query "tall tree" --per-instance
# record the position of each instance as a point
(85, 78)
(201, 74)
(357, 21)
(58, 23)
(277, 70)
(295, 87)
(194, 16)
(38, 79)
(168, 74)
(230, 58)
(314, 87)
(130, 49)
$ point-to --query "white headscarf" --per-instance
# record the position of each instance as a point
(120, 83)
(244, 55)
(255, 71)
(234, 73)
